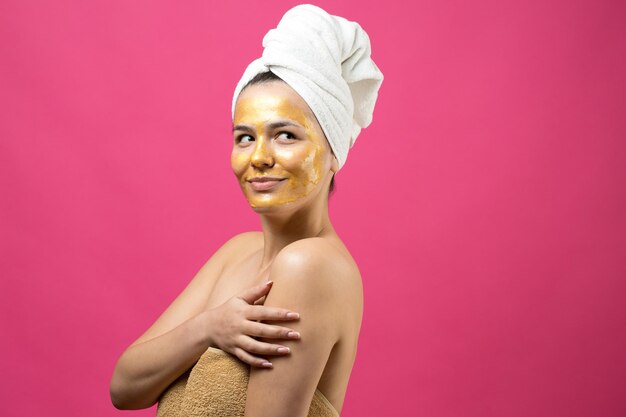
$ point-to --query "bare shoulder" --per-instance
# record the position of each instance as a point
(319, 272)
(242, 240)
(253, 235)
(238, 245)
(319, 255)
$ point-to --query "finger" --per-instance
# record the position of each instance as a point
(252, 294)
(251, 360)
(257, 312)
(269, 331)
(253, 346)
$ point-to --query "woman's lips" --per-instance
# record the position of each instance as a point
(263, 183)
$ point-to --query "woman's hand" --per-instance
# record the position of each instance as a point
(235, 323)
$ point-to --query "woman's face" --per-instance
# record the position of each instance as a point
(280, 154)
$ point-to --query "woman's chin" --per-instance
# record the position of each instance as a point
(276, 206)
(267, 207)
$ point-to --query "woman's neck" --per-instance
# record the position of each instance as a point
(279, 230)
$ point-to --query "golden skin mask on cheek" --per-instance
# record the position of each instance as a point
(302, 162)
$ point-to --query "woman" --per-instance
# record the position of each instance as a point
(296, 112)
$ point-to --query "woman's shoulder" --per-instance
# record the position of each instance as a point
(315, 275)
(319, 262)
(317, 251)
(241, 242)
(238, 246)
(245, 238)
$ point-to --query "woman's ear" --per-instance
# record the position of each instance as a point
(334, 164)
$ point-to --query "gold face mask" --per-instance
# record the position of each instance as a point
(280, 154)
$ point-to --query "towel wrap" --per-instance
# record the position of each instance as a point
(217, 387)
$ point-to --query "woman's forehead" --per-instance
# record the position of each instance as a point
(265, 101)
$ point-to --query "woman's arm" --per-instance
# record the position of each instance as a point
(146, 369)
(309, 277)
(186, 329)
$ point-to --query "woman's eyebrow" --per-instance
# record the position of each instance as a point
(273, 125)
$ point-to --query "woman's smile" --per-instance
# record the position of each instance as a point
(264, 183)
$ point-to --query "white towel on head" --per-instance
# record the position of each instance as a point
(326, 60)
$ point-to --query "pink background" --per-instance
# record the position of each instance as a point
(485, 205)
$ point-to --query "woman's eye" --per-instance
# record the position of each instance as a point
(286, 137)
(244, 139)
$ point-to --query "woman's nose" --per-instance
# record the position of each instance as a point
(262, 155)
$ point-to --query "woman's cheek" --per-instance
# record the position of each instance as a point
(238, 162)
(313, 170)
(315, 165)
(288, 158)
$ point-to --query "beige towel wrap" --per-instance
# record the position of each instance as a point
(216, 387)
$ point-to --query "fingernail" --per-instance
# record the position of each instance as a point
(293, 315)
(293, 334)
(269, 282)
(266, 364)
(283, 349)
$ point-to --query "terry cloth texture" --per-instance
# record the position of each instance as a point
(216, 387)
(326, 60)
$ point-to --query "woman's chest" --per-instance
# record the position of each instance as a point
(238, 276)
